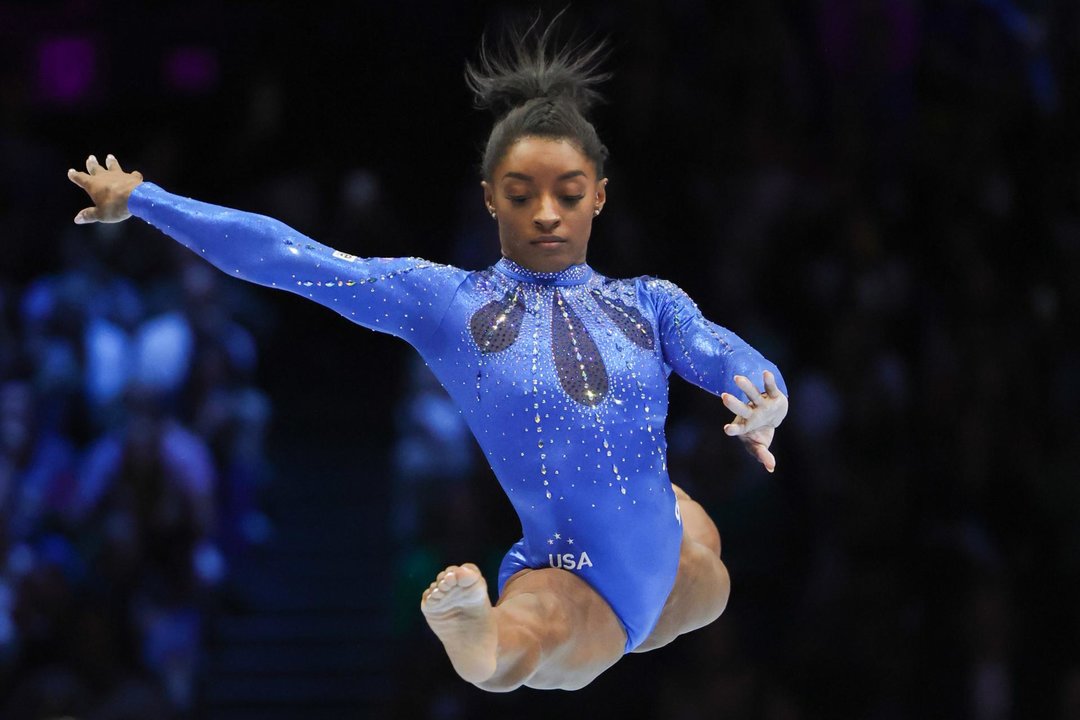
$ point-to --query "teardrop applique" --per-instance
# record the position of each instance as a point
(627, 318)
(577, 358)
(495, 326)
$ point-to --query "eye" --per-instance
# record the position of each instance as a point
(517, 199)
(573, 199)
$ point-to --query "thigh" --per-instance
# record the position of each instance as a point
(702, 585)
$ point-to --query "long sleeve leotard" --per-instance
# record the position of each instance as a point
(562, 378)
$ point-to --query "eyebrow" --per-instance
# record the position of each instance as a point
(530, 178)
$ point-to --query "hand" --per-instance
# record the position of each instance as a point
(109, 187)
(756, 421)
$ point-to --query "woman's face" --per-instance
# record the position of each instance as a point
(545, 194)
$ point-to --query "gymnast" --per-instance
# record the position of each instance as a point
(560, 372)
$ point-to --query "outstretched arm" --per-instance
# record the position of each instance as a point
(716, 359)
(406, 297)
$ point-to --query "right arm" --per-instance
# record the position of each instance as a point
(406, 297)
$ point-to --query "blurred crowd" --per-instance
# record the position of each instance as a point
(883, 197)
(131, 450)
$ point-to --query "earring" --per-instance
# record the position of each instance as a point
(492, 214)
(596, 212)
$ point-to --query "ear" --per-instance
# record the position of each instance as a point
(489, 197)
(601, 194)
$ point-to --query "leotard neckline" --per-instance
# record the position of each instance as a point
(573, 275)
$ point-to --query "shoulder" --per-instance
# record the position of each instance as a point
(663, 292)
(487, 281)
(624, 289)
(641, 290)
(430, 275)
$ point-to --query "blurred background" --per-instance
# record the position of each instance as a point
(219, 501)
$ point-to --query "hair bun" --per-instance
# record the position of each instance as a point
(527, 67)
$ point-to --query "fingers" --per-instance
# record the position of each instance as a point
(760, 452)
(93, 166)
(752, 393)
(86, 216)
(79, 178)
(763, 456)
(754, 421)
(82, 179)
(771, 388)
(736, 406)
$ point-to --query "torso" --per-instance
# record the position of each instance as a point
(561, 379)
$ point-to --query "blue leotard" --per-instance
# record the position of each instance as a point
(562, 378)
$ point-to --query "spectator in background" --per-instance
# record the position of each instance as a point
(38, 565)
(78, 324)
(149, 489)
(37, 480)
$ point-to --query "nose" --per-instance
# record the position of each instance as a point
(547, 215)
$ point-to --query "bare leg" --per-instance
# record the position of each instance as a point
(549, 629)
(702, 585)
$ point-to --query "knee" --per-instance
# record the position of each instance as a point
(723, 590)
(712, 539)
(698, 526)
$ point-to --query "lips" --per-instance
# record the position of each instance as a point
(548, 240)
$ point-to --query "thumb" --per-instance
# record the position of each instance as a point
(86, 216)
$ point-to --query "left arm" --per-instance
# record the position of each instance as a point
(719, 361)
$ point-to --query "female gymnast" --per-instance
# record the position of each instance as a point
(560, 372)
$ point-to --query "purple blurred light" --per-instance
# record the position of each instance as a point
(66, 69)
(192, 69)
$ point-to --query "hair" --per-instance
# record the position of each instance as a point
(537, 90)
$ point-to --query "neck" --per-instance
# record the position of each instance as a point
(532, 266)
(568, 275)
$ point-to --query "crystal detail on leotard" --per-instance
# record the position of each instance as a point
(577, 358)
(495, 326)
(679, 322)
(572, 275)
(628, 319)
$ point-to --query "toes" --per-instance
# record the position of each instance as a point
(454, 576)
(468, 575)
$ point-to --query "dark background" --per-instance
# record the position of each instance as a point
(881, 195)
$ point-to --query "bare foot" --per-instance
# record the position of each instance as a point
(458, 610)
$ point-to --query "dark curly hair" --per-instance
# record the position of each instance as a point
(537, 90)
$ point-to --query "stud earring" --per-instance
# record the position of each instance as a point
(492, 214)
(596, 212)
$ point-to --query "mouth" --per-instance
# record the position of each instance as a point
(547, 241)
